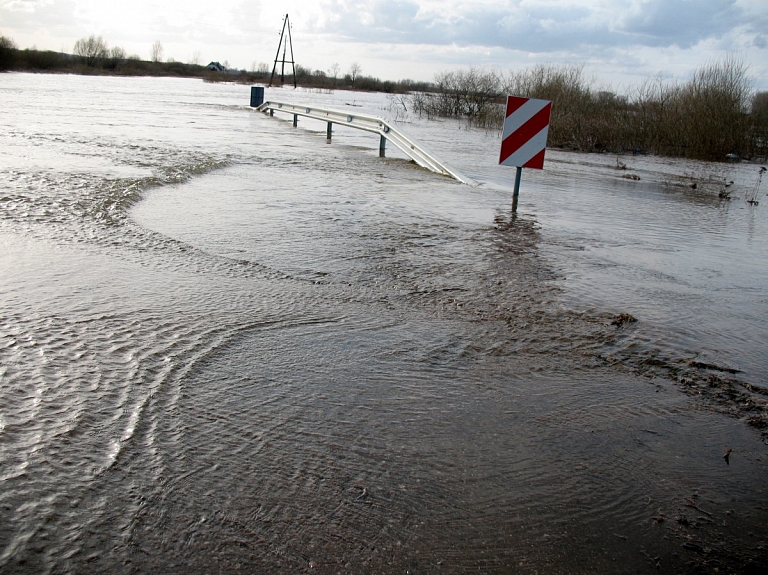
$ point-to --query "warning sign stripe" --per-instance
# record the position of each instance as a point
(525, 132)
(530, 154)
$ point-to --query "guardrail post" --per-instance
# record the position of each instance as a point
(382, 146)
(271, 112)
(295, 120)
(329, 131)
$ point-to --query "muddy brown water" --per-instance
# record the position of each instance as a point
(227, 346)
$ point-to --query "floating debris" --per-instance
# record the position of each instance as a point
(724, 193)
(713, 367)
(623, 319)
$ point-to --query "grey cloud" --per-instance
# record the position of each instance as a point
(31, 16)
(681, 23)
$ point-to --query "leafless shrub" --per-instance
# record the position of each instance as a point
(759, 125)
(571, 101)
(655, 110)
(707, 117)
(714, 106)
(472, 93)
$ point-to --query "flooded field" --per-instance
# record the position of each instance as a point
(227, 346)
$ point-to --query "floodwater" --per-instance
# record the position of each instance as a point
(227, 346)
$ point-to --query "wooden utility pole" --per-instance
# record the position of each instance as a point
(284, 44)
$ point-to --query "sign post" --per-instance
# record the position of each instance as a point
(516, 193)
(524, 139)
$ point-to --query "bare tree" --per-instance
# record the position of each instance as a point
(354, 71)
(333, 71)
(196, 58)
(157, 52)
(260, 69)
(7, 53)
(114, 57)
(90, 50)
(759, 103)
(117, 53)
(7, 43)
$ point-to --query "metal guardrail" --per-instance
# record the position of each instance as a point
(372, 124)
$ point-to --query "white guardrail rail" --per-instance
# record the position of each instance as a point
(368, 123)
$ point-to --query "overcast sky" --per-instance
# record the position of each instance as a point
(620, 42)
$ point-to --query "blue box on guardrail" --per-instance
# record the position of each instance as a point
(257, 96)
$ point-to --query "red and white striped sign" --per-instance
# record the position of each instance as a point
(525, 132)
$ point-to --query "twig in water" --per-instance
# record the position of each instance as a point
(691, 503)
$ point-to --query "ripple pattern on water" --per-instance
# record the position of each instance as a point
(227, 346)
